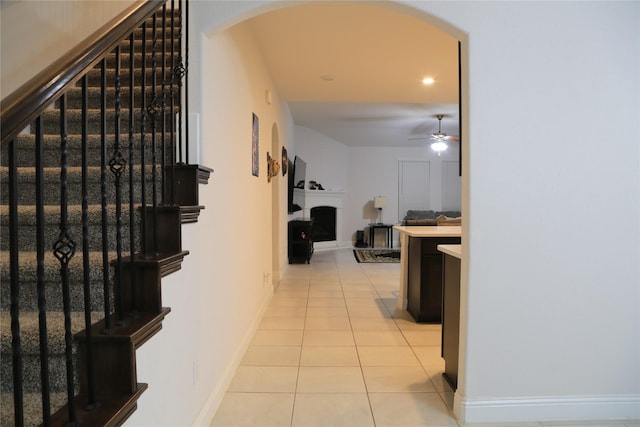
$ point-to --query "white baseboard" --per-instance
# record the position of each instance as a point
(211, 405)
(559, 408)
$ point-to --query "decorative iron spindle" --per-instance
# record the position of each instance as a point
(132, 211)
(179, 72)
(86, 267)
(172, 111)
(163, 115)
(14, 247)
(185, 107)
(64, 249)
(42, 301)
(152, 111)
(103, 197)
(117, 165)
(143, 142)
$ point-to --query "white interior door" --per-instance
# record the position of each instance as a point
(451, 187)
(413, 191)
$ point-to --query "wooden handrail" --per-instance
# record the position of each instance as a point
(24, 104)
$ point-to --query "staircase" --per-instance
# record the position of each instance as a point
(95, 187)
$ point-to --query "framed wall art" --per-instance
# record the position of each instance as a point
(255, 147)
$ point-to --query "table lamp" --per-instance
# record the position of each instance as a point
(379, 202)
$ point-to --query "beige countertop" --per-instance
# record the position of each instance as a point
(430, 230)
(453, 250)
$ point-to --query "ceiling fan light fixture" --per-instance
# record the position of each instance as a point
(439, 146)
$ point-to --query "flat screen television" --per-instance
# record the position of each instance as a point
(297, 180)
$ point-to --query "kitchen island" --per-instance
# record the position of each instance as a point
(451, 312)
(421, 269)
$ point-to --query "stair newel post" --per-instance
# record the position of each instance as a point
(14, 247)
(64, 250)
(132, 240)
(42, 301)
(143, 142)
(103, 197)
(117, 165)
(152, 111)
(85, 248)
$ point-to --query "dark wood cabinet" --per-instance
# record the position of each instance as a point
(425, 271)
(300, 241)
(451, 319)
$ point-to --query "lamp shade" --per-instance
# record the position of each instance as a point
(379, 202)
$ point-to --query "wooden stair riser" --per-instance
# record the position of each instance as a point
(168, 232)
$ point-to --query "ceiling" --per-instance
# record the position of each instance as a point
(354, 71)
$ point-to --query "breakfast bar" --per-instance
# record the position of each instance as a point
(421, 269)
(451, 312)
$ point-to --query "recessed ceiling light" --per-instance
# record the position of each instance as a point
(328, 77)
(428, 80)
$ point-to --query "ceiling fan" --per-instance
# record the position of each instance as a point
(439, 136)
(439, 139)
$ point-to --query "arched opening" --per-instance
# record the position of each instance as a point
(276, 208)
(279, 217)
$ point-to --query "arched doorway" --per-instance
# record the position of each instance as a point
(280, 216)
(276, 209)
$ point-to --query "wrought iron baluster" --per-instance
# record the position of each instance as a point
(179, 72)
(185, 28)
(103, 197)
(14, 247)
(64, 249)
(152, 112)
(172, 112)
(143, 143)
(163, 115)
(132, 211)
(117, 165)
(86, 267)
(42, 301)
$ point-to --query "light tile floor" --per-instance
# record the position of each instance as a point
(333, 351)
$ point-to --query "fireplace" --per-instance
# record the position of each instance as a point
(323, 223)
(331, 199)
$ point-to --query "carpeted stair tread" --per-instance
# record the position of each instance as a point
(30, 343)
(51, 149)
(51, 279)
(32, 408)
(29, 327)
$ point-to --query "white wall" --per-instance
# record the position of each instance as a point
(220, 294)
(551, 292)
(35, 33)
(327, 159)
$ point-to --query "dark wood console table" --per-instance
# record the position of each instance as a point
(300, 241)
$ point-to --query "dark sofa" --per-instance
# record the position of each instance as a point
(430, 217)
